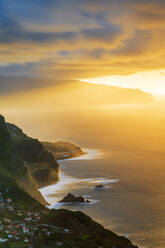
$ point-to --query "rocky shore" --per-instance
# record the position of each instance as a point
(70, 198)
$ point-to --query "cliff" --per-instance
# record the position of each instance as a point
(12, 166)
(40, 163)
(63, 149)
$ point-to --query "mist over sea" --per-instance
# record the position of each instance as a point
(129, 160)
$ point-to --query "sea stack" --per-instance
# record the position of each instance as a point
(71, 198)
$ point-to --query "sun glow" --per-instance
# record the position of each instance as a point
(152, 82)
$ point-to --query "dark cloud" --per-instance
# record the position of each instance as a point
(77, 39)
(103, 34)
(135, 45)
(18, 84)
(97, 53)
(11, 31)
(15, 84)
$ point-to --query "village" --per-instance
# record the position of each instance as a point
(20, 225)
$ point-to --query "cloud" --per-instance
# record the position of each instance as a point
(17, 84)
(13, 32)
(103, 35)
(77, 39)
(136, 45)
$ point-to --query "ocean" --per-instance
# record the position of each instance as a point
(129, 202)
(128, 158)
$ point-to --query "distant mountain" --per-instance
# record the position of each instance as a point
(98, 94)
(74, 90)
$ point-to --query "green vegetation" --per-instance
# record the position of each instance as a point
(40, 163)
(63, 149)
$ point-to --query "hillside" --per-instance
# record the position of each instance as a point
(27, 223)
(63, 149)
(39, 162)
(12, 165)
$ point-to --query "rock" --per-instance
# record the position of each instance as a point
(71, 198)
(99, 186)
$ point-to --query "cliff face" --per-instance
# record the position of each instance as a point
(12, 166)
(5, 140)
(40, 163)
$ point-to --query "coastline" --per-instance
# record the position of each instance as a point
(69, 184)
(65, 180)
(53, 193)
(88, 154)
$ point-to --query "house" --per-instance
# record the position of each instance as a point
(3, 240)
(11, 209)
(10, 236)
(6, 220)
(29, 213)
(25, 229)
(1, 228)
(19, 214)
(28, 219)
(26, 240)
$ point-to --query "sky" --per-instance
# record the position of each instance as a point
(103, 41)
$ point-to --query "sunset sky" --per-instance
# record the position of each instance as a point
(59, 40)
(92, 72)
